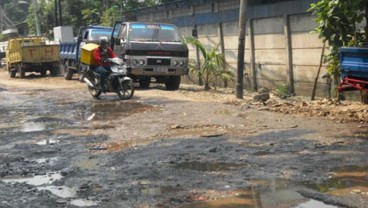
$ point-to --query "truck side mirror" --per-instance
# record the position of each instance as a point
(79, 38)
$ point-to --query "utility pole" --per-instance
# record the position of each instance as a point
(38, 33)
(59, 11)
(241, 48)
(56, 13)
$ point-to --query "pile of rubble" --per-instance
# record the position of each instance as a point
(329, 108)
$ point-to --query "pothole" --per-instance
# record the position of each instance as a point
(36, 180)
(209, 166)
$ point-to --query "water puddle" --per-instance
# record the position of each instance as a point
(118, 146)
(108, 110)
(42, 124)
(345, 181)
(37, 180)
(32, 127)
(154, 191)
(263, 153)
(48, 141)
(275, 198)
(86, 164)
(46, 160)
(60, 191)
(207, 166)
(83, 203)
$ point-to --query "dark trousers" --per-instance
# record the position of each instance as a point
(103, 73)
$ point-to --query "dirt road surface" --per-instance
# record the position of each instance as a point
(59, 147)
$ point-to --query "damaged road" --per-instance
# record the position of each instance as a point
(59, 147)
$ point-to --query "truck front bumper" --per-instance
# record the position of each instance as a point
(157, 71)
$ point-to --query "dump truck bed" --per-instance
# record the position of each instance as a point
(354, 62)
(31, 50)
(35, 54)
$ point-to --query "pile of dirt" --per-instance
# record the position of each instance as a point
(339, 111)
(329, 108)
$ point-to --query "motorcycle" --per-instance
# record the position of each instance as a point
(116, 81)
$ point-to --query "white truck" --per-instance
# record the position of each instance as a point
(152, 52)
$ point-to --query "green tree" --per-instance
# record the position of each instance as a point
(46, 20)
(213, 65)
(338, 25)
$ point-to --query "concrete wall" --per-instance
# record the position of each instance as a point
(284, 48)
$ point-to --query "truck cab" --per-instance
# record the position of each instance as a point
(152, 52)
(70, 51)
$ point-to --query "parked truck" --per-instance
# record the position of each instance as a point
(32, 54)
(153, 52)
(70, 51)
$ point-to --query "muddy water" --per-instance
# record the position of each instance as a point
(114, 109)
(280, 194)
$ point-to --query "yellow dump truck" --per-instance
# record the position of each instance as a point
(32, 54)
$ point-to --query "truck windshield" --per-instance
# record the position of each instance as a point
(153, 32)
(97, 33)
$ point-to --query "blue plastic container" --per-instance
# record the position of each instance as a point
(354, 62)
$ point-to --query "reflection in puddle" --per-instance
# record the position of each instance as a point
(33, 126)
(206, 166)
(46, 160)
(345, 181)
(37, 180)
(159, 190)
(83, 203)
(278, 198)
(48, 141)
(314, 204)
(86, 164)
(60, 191)
(40, 124)
(103, 110)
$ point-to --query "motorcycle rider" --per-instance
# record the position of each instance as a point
(100, 56)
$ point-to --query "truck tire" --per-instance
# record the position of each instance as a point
(68, 74)
(22, 73)
(12, 73)
(172, 83)
(145, 82)
(364, 97)
(54, 72)
(43, 72)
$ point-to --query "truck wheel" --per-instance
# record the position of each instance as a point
(43, 72)
(172, 83)
(364, 97)
(12, 73)
(54, 71)
(144, 83)
(68, 74)
(22, 73)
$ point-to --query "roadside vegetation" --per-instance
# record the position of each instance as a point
(339, 25)
(212, 68)
(74, 12)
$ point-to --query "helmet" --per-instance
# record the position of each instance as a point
(104, 40)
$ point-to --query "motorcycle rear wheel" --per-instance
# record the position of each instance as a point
(126, 90)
